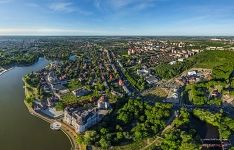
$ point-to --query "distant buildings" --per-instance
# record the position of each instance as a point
(131, 51)
(125, 88)
(155, 52)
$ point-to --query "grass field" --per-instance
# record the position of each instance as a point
(30, 91)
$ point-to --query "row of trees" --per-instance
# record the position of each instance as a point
(136, 81)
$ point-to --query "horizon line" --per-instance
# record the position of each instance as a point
(38, 35)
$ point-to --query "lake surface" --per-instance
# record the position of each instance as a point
(19, 130)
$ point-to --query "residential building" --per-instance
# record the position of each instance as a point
(103, 103)
(126, 90)
(192, 73)
(81, 119)
(151, 79)
(59, 88)
(172, 62)
(143, 72)
(81, 92)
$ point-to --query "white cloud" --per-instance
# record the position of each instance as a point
(144, 4)
(121, 3)
(62, 6)
(135, 5)
(67, 7)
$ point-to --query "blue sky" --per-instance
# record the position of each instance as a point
(116, 17)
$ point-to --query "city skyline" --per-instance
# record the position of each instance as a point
(117, 17)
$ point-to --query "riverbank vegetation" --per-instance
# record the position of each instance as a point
(17, 58)
(179, 139)
(32, 91)
(181, 135)
(224, 123)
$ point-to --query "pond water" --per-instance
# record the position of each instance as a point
(205, 130)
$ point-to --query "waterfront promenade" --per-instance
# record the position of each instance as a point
(71, 134)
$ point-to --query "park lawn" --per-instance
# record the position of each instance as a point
(159, 92)
(30, 92)
(70, 98)
(136, 145)
(156, 94)
(74, 84)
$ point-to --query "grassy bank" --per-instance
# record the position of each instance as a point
(31, 93)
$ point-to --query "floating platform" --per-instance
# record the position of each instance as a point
(55, 125)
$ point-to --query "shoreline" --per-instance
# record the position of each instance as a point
(71, 135)
(12, 66)
(67, 130)
(6, 70)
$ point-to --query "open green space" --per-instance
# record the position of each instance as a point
(222, 63)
